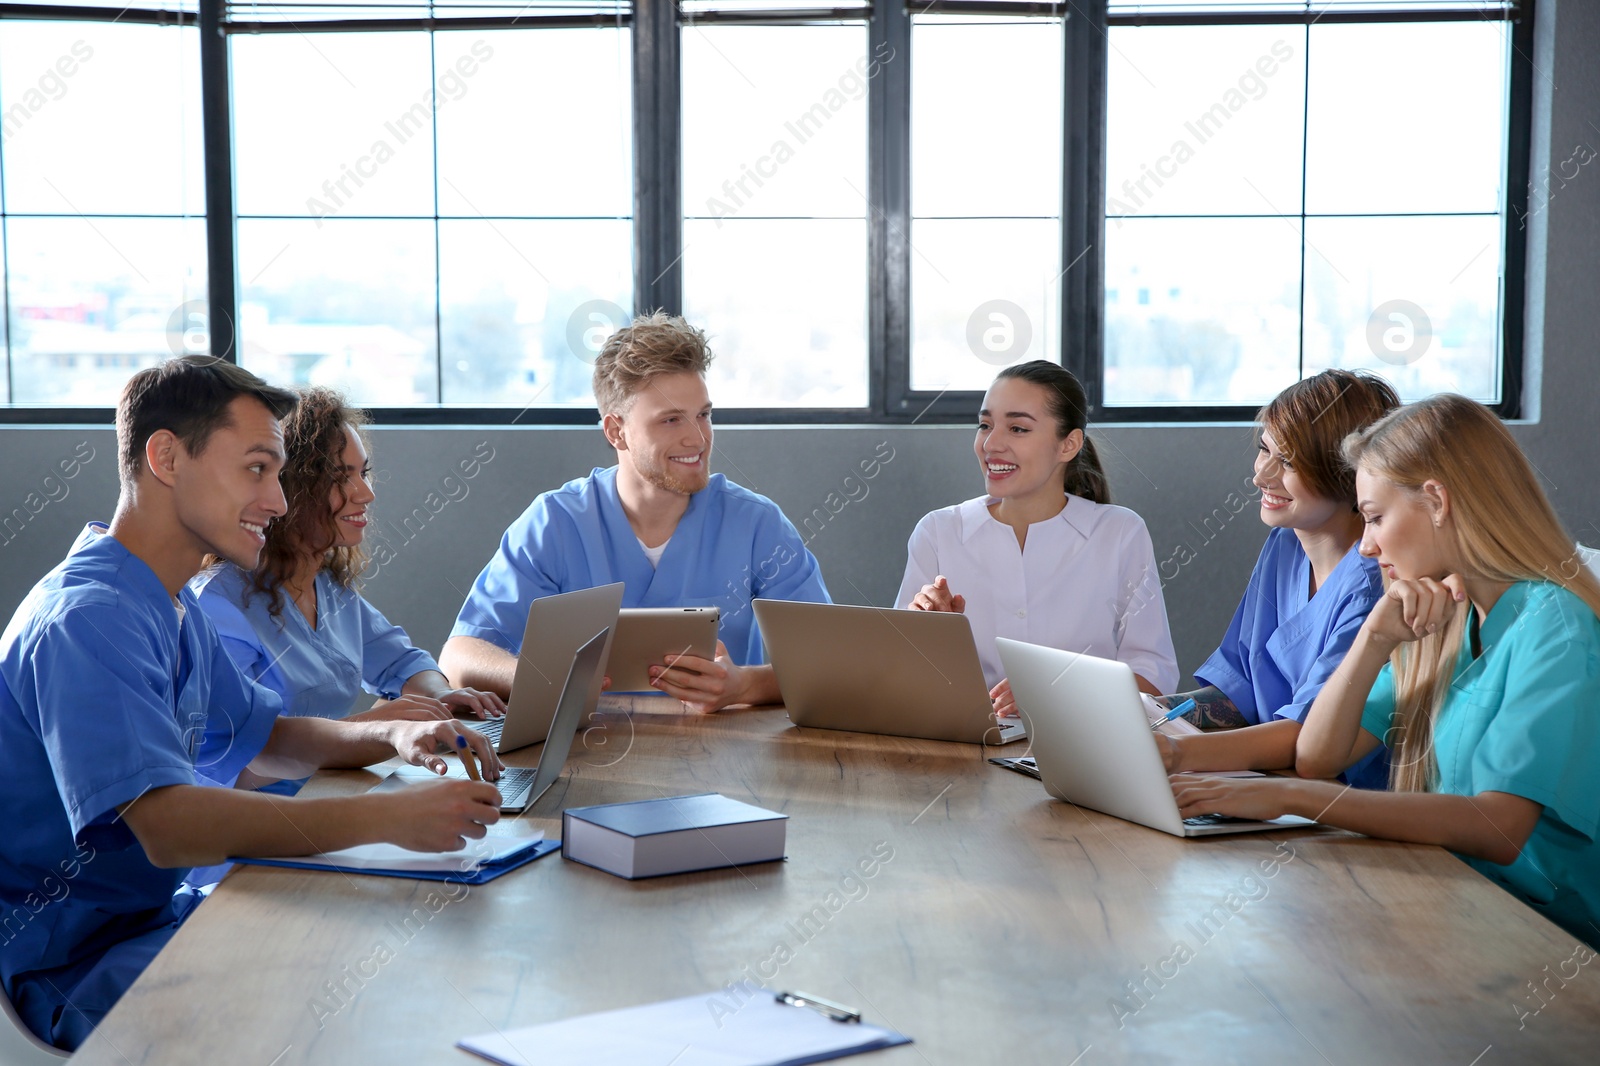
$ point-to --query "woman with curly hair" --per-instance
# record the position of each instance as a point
(296, 623)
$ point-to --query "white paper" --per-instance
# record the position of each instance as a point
(707, 1030)
(1155, 713)
(638, 703)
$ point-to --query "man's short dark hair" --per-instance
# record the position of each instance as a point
(188, 395)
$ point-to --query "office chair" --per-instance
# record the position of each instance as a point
(18, 1045)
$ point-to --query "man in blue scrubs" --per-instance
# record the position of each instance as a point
(659, 521)
(117, 701)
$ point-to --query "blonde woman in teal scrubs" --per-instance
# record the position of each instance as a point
(1480, 666)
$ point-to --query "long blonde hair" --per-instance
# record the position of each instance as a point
(1505, 530)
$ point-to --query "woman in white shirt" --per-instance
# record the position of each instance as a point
(1043, 556)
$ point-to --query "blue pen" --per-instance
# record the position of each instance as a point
(1181, 709)
(465, 751)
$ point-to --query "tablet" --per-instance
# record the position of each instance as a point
(647, 635)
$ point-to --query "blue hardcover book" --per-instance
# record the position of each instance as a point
(672, 835)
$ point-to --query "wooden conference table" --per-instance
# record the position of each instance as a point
(1003, 927)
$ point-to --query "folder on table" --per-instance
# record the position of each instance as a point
(742, 1025)
(506, 847)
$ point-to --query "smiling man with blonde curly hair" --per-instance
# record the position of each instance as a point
(659, 521)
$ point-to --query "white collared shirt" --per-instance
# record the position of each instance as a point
(1086, 582)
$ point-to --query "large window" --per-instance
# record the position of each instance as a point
(871, 205)
(455, 204)
(103, 240)
(985, 196)
(1280, 200)
(775, 209)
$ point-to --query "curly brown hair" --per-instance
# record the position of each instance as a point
(313, 438)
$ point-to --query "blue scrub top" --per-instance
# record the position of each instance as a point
(316, 672)
(104, 693)
(730, 546)
(1284, 643)
(1524, 718)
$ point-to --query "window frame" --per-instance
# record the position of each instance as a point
(657, 194)
(1519, 125)
(133, 15)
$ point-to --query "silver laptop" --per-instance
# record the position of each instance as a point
(519, 786)
(879, 670)
(557, 626)
(1092, 742)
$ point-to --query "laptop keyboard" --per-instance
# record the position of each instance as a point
(513, 780)
(489, 727)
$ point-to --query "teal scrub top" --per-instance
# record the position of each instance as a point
(1524, 718)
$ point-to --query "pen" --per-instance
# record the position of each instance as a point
(1181, 709)
(464, 750)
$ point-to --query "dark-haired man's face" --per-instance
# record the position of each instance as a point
(226, 496)
(667, 433)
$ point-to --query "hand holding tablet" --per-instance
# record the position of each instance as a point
(650, 636)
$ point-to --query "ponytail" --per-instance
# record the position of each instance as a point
(1085, 478)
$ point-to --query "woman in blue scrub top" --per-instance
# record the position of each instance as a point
(1480, 666)
(1310, 590)
(296, 623)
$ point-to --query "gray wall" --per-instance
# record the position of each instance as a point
(1178, 477)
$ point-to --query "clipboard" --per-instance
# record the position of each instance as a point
(741, 1025)
(451, 870)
